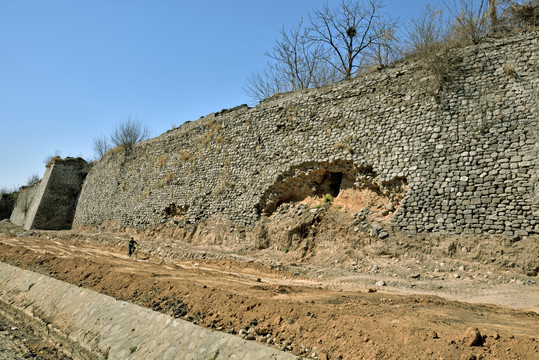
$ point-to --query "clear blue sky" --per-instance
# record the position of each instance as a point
(71, 70)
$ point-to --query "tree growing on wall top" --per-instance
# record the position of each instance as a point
(525, 14)
(129, 132)
(332, 46)
(126, 134)
(348, 31)
(471, 20)
(295, 62)
(101, 146)
(338, 43)
(32, 180)
(49, 158)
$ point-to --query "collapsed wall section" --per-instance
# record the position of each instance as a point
(467, 153)
(328, 179)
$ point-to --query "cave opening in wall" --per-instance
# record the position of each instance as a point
(306, 182)
(175, 211)
(333, 181)
(316, 183)
(344, 184)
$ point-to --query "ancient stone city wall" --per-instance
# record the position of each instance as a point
(23, 203)
(50, 203)
(7, 203)
(466, 156)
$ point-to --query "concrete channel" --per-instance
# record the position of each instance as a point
(90, 325)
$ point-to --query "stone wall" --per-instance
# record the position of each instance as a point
(90, 325)
(7, 203)
(465, 150)
(23, 203)
(53, 205)
(535, 176)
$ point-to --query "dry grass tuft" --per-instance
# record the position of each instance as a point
(53, 160)
(510, 71)
(114, 151)
(185, 155)
(162, 161)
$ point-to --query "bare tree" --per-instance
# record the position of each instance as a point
(348, 31)
(48, 159)
(493, 14)
(101, 146)
(386, 50)
(295, 62)
(470, 20)
(32, 179)
(427, 37)
(497, 10)
(427, 30)
(261, 85)
(333, 47)
(296, 57)
(473, 19)
(525, 14)
(129, 132)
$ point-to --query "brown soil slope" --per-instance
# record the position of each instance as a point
(315, 312)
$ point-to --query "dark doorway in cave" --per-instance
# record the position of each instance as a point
(309, 181)
(330, 184)
(334, 182)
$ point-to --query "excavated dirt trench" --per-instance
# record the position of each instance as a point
(325, 312)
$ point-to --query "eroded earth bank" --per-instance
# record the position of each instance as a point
(323, 289)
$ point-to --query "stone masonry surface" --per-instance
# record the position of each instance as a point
(23, 203)
(53, 204)
(7, 204)
(467, 153)
(96, 326)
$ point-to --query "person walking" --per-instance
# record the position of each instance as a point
(132, 247)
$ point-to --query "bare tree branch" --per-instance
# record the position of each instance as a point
(295, 62)
(101, 146)
(426, 31)
(493, 14)
(349, 31)
(129, 132)
(383, 52)
(261, 85)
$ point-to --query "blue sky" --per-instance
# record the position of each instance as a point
(71, 70)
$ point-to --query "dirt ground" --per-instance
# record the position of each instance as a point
(20, 342)
(403, 298)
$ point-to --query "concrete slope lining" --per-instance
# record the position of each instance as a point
(95, 326)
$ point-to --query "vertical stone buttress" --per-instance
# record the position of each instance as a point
(53, 206)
